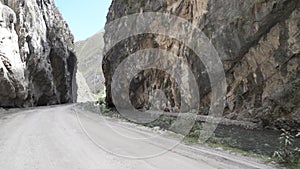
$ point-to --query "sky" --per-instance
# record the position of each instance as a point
(84, 17)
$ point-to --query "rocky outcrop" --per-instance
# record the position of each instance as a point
(258, 41)
(37, 61)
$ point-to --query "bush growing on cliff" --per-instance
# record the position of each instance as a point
(101, 97)
(287, 153)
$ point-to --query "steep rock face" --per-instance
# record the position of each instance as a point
(37, 64)
(258, 42)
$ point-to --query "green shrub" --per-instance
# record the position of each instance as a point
(287, 153)
(101, 100)
(103, 110)
(101, 97)
(164, 122)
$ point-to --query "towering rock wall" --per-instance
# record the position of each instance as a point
(37, 61)
(258, 41)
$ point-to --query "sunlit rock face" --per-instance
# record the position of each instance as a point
(258, 42)
(37, 62)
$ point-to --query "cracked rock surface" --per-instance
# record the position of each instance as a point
(258, 42)
(37, 60)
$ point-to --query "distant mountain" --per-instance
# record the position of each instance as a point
(84, 93)
(89, 54)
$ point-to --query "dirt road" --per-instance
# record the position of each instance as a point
(63, 137)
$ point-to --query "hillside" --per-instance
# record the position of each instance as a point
(89, 54)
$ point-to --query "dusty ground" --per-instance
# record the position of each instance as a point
(64, 137)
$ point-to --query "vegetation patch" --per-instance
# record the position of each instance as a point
(287, 155)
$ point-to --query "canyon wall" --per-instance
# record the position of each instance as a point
(37, 60)
(258, 42)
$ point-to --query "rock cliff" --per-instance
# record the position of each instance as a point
(258, 41)
(37, 60)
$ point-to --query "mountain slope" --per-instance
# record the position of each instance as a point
(90, 53)
(84, 93)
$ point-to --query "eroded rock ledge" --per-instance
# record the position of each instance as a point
(37, 60)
